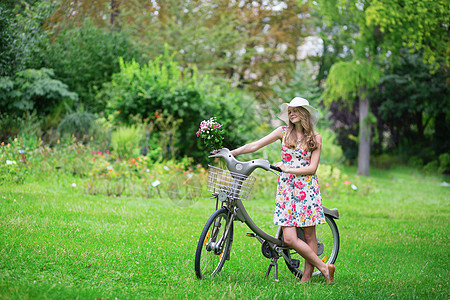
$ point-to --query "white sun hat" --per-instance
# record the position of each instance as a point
(296, 102)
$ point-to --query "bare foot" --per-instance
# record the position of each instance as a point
(330, 277)
(305, 280)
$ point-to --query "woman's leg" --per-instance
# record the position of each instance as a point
(311, 240)
(291, 239)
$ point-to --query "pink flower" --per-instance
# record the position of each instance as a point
(347, 182)
(287, 157)
(327, 184)
(298, 184)
(301, 195)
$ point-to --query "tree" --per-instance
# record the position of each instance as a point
(30, 90)
(86, 57)
(251, 42)
(419, 25)
(373, 42)
(352, 81)
(336, 31)
(303, 83)
(21, 35)
(9, 59)
(413, 107)
(72, 14)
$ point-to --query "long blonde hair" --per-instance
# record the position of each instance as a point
(309, 139)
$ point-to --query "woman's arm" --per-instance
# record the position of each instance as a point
(308, 170)
(277, 134)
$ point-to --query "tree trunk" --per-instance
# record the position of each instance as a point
(115, 13)
(364, 137)
(420, 126)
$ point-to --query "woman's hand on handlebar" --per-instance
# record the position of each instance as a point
(282, 167)
(214, 152)
(223, 150)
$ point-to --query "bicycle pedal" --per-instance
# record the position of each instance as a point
(295, 263)
(251, 234)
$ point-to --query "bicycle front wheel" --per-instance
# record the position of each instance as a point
(328, 243)
(214, 244)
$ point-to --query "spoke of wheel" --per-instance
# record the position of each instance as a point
(209, 259)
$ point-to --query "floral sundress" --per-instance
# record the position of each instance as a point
(298, 200)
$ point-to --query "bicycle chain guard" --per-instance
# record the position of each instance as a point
(320, 248)
(267, 251)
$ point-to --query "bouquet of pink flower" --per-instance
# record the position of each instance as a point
(211, 133)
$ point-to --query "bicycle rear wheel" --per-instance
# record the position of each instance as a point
(328, 247)
(214, 244)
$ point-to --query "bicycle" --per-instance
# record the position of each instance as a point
(230, 188)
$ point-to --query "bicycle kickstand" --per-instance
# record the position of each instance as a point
(273, 263)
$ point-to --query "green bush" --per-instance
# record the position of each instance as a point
(444, 160)
(31, 89)
(80, 124)
(102, 130)
(27, 127)
(161, 86)
(431, 167)
(85, 58)
(10, 126)
(415, 162)
(11, 164)
(331, 152)
(384, 161)
(125, 141)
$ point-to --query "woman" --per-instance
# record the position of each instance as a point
(298, 201)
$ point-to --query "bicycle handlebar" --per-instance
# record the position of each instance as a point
(243, 167)
(275, 168)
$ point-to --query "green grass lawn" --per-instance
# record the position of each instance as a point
(57, 243)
